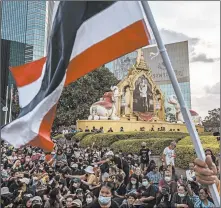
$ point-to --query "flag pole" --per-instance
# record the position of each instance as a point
(6, 105)
(10, 109)
(185, 111)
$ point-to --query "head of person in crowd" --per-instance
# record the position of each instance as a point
(89, 197)
(165, 191)
(27, 200)
(69, 202)
(167, 175)
(209, 152)
(145, 181)
(133, 183)
(182, 190)
(80, 194)
(172, 145)
(131, 198)
(143, 145)
(204, 195)
(105, 195)
(59, 152)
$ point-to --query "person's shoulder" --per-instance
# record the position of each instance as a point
(95, 204)
(114, 204)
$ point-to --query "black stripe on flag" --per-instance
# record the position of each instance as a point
(68, 19)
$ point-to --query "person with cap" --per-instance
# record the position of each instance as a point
(6, 197)
(144, 156)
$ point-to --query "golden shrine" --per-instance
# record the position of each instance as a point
(135, 104)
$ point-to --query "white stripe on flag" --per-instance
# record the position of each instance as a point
(28, 92)
(105, 24)
(29, 124)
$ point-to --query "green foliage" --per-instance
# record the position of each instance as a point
(185, 151)
(77, 98)
(156, 145)
(59, 136)
(81, 135)
(212, 121)
(106, 139)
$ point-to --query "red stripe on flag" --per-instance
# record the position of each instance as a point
(28, 73)
(129, 39)
(43, 140)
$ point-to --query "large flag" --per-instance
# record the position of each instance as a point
(84, 36)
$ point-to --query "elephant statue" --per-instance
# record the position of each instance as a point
(105, 109)
(197, 120)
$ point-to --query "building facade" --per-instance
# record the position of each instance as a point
(27, 22)
(178, 53)
(25, 28)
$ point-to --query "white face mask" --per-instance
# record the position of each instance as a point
(89, 200)
(181, 195)
(167, 178)
(145, 183)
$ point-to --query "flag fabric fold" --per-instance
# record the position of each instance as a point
(84, 36)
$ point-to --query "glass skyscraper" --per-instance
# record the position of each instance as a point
(27, 22)
(178, 53)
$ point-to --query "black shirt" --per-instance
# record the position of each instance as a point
(144, 153)
(146, 192)
(121, 190)
(121, 163)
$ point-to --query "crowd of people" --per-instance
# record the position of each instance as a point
(98, 177)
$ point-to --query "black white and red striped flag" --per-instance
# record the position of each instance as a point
(85, 35)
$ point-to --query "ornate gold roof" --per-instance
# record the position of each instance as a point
(141, 63)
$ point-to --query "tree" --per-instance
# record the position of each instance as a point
(77, 98)
(211, 122)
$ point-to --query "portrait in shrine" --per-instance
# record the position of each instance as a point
(143, 96)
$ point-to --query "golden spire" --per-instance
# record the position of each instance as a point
(141, 63)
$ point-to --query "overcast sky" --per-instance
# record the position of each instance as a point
(198, 22)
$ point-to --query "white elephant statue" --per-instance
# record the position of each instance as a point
(105, 109)
(179, 117)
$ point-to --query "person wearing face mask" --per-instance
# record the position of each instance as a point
(133, 185)
(168, 181)
(105, 197)
(147, 193)
(181, 198)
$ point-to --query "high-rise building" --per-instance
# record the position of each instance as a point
(178, 53)
(25, 26)
(27, 22)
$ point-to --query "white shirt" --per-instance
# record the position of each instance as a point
(169, 156)
(190, 174)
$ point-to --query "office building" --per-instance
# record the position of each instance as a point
(178, 53)
(27, 22)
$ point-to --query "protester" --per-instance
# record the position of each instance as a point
(94, 177)
(144, 154)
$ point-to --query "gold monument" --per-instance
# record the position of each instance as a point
(135, 104)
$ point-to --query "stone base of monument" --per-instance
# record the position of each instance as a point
(134, 125)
